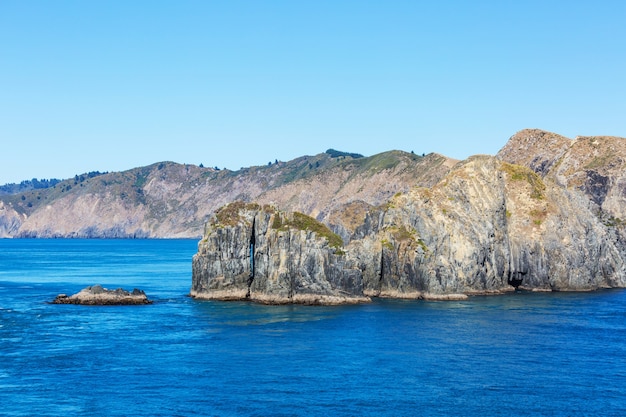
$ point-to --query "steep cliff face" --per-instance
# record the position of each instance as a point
(86, 216)
(592, 167)
(261, 254)
(490, 225)
(448, 239)
(486, 227)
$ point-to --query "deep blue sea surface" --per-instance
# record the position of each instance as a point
(556, 354)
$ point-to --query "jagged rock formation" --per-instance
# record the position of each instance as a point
(594, 165)
(168, 200)
(97, 295)
(486, 227)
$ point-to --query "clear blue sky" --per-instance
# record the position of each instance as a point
(112, 85)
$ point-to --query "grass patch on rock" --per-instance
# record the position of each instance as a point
(300, 221)
(520, 173)
(229, 215)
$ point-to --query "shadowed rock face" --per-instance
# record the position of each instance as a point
(97, 295)
(596, 187)
(487, 227)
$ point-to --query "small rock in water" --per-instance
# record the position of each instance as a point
(98, 295)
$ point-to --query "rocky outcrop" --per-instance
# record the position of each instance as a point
(595, 165)
(97, 295)
(258, 253)
(535, 148)
(488, 227)
(547, 213)
(592, 167)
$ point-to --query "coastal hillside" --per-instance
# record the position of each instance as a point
(169, 200)
(339, 189)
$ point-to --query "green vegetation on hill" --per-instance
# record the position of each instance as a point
(301, 221)
(129, 186)
(230, 215)
(28, 185)
(385, 160)
(35, 184)
(337, 154)
(303, 167)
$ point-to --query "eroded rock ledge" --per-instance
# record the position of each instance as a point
(97, 295)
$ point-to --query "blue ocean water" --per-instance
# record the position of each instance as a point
(556, 354)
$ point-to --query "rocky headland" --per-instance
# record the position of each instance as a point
(97, 295)
(488, 226)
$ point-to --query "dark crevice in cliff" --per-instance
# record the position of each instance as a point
(292, 289)
(381, 273)
(252, 243)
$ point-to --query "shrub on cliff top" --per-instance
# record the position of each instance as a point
(336, 154)
(301, 221)
(229, 215)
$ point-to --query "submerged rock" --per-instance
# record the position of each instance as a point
(97, 295)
